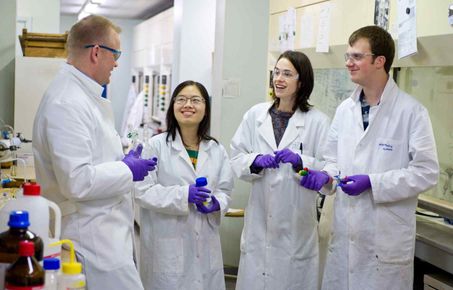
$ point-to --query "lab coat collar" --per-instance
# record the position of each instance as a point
(205, 147)
(265, 128)
(388, 97)
(92, 88)
(292, 130)
(388, 91)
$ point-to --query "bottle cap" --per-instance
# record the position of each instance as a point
(72, 267)
(51, 264)
(18, 219)
(201, 181)
(31, 189)
(26, 248)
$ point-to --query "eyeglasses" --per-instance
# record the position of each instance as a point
(116, 53)
(285, 74)
(355, 56)
(195, 100)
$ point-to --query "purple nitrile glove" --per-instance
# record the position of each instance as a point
(139, 167)
(288, 156)
(355, 184)
(198, 194)
(213, 206)
(314, 180)
(265, 161)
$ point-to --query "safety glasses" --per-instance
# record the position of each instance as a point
(116, 53)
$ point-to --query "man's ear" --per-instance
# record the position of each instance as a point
(380, 61)
(94, 53)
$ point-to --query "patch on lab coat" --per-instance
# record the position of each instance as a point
(385, 147)
(388, 153)
(388, 145)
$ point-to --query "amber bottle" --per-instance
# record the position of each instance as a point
(25, 272)
(9, 241)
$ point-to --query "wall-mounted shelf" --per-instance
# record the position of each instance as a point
(43, 44)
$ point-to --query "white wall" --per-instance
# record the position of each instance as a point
(193, 43)
(44, 14)
(7, 52)
(121, 77)
(240, 55)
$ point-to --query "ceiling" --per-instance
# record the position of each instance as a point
(128, 9)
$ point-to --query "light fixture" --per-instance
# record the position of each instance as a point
(89, 7)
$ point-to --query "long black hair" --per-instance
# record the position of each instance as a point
(203, 127)
(303, 67)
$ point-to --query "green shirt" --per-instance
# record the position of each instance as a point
(193, 155)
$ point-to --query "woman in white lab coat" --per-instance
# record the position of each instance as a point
(279, 243)
(179, 236)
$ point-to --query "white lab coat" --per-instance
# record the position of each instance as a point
(179, 246)
(373, 237)
(78, 157)
(279, 243)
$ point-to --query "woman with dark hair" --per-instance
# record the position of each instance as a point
(279, 244)
(179, 234)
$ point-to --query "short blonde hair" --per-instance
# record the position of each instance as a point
(93, 29)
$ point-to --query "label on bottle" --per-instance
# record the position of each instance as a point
(74, 285)
(3, 267)
(12, 287)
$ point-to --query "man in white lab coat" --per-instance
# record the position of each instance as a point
(381, 142)
(79, 160)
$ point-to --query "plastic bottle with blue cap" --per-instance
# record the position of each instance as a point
(52, 268)
(200, 182)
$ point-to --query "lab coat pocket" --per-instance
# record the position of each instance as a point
(215, 252)
(394, 236)
(388, 154)
(169, 256)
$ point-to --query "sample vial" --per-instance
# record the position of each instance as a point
(200, 182)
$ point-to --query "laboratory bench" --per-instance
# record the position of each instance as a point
(434, 243)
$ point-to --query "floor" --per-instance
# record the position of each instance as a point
(230, 283)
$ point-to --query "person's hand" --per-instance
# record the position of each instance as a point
(288, 156)
(265, 161)
(139, 167)
(314, 180)
(355, 184)
(198, 194)
(214, 205)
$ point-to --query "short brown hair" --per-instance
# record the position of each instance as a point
(93, 29)
(381, 43)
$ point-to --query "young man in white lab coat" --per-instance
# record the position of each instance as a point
(381, 143)
(79, 159)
